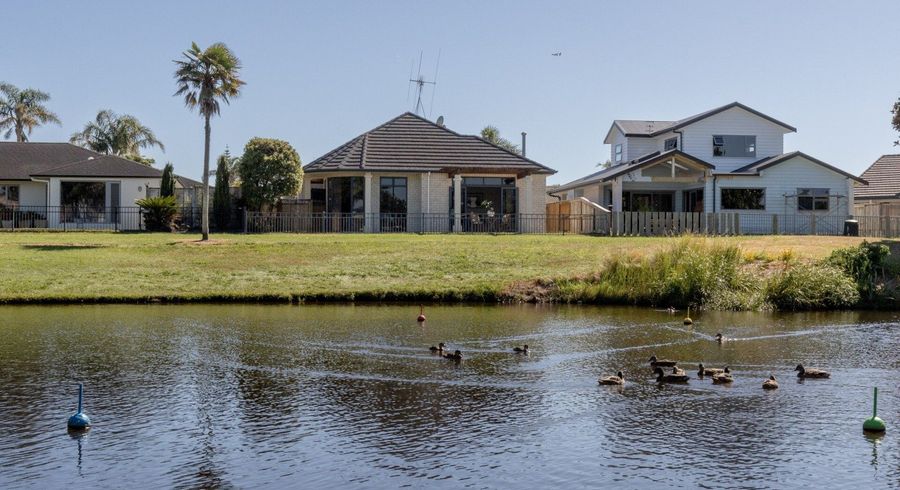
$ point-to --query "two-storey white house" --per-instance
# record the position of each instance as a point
(727, 159)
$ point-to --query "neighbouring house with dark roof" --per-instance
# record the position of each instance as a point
(411, 174)
(882, 196)
(726, 159)
(60, 185)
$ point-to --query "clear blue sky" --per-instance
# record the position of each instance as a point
(320, 73)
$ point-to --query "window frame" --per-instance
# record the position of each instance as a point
(762, 198)
(816, 196)
(6, 200)
(617, 153)
(387, 188)
(720, 145)
(673, 140)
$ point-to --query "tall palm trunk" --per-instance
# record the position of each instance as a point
(204, 218)
(20, 131)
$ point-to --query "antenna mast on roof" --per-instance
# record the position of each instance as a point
(420, 83)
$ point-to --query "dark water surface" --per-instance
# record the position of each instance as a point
(349, 396)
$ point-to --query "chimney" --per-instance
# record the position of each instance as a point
(523, 142)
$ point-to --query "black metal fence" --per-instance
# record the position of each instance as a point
(85, 218)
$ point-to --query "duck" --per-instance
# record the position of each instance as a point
(771, 383)
(654, 362)
(456, 356)
(722, 378)
(618, 379)
(705, 371)
(811, 373)
(662, 377)
(677, 370)
(719, 338)
(438, 348)
(521, 350)
(671, 310)
(421, 317)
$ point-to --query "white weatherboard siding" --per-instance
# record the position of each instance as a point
(618, 139)
(784, 179)
(735, 121)
(638, 147)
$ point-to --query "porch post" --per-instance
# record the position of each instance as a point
(617, 194)
(457, 203)
(708, 194)
(524, 206)
(368, 216)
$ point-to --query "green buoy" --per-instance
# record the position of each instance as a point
(874, 424)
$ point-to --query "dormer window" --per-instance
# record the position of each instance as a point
(671, 144)
(735, 146)
(619, 153)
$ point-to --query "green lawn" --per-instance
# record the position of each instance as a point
(136, 267)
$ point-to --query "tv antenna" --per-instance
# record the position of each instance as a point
(420, 83)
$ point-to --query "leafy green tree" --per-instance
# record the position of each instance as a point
(121, 135)
(23, 110)
(492, 135)
(222, 192)
(205, 78)
(167, 183)
(231, 163)
(895, 121)
(269, 169)
(159, 212)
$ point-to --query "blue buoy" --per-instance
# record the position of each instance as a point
(80, 421)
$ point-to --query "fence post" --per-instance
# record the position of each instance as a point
(244, 211)
(737, 224)
(774, 224)
(812, 224)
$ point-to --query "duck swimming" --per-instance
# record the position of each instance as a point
(662, 377)
(719, 338)
(439, 348)
(654, 362)
(705, 371)
(722, 378)
(618, 379)
(456, 356)
(521, 350)
(770, 384)
(811, 373)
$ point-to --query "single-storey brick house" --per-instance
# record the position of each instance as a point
(412, 174)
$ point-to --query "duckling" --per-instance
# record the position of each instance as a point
(705, 371)
(438, 349)
(456, 356)
(618, 379)
(722, 378)
(811, 373)
(521, 350)
(662, 377)
(719, 338)
(770, 384)
(677, 370)
(654, 362)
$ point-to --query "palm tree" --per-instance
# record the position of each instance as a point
(492, 135)
(112, 134)
(205, 78)
(22, 110)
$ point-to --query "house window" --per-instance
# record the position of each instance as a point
(618, 153)
(346, 194)
(9, 195)
(579, 193)
(812, 199)
(393, 195)
(671, 144)
(743, 199)
(735, 146)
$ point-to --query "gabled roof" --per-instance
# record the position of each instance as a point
(410, 143)
(883, 177)
(610, 173)
(649, 129)
(188, 183)
(756, 167)
(18, 161)
(22, 161)
(101, 166)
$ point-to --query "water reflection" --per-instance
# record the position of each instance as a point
(336, 396)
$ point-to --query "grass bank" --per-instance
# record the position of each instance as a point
(108, 267)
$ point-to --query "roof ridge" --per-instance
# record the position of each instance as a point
(100, 155)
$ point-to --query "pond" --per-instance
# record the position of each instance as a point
(337, 396)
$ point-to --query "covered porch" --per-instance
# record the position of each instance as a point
(663, 183)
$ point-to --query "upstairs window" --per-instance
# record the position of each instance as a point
(735, 146)
(619, 153)
(671, 144)
(743, 199)
(812, 199)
